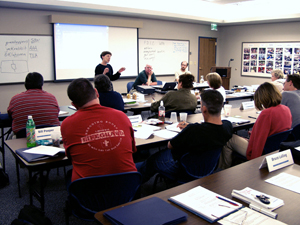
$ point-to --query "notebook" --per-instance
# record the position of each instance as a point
(40, 153)
(167, 87)
(152, 211)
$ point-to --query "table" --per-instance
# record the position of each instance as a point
(238, 177)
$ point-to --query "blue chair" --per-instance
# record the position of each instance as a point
(129, 86)
(194, 166)
(93, 194)
(159, 82)
(296, 132)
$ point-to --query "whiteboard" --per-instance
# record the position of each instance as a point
(20, 55)
(165, 56)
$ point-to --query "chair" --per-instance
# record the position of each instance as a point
(168, 113)
(296, 132)
(93, 194)
(159, 82)
(129, 86)
(194, 166)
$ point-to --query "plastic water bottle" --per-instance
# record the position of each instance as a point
(201, 80)
(161, 111)
(30, 132)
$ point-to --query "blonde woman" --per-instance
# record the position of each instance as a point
(277, 79)
(214, 81)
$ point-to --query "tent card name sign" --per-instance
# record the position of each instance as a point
(278, 160)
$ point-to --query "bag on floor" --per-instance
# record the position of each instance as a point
(33, 215)
(4, 180)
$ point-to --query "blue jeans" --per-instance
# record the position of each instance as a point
(161, 162)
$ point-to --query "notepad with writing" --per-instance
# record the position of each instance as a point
(152, 211)
(206, 204)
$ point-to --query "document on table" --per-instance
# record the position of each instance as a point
(165, 134)
(235, 120)
(287, 181)
(249, 216)
(46, 150)
(173, 127)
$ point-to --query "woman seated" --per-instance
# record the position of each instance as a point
(180, 100)
(277, 79)
(107, 96)
(274, 118)
(214, 81)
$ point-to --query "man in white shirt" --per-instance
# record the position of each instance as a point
(183, 70)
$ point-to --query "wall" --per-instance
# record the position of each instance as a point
(19, 21)
(230, 45)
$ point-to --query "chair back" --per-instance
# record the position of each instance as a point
(202, 164)
(159, 82)
(22, 133)
(273, 142)
(168, 113)
(93, 194)
(296, 132)
(129, 86)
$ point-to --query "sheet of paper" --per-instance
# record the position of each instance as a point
(249, 216)
(143, 133)
(235, 120)
(147, 104)
(62, 113)
(46, 150)
(287, 181)
(165, 134)
(173, 127)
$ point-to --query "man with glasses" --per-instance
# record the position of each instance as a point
(146, 77)
(183, 70)
(291, 97)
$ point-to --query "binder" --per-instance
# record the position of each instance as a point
(152, 211)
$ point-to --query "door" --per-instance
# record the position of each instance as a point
(207, 55)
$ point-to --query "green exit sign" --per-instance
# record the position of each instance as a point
(214, 26)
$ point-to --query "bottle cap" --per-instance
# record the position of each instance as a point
(161, 103)
(29, 117)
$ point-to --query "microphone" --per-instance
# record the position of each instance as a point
(230, 61)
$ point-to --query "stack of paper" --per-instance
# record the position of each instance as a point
(248, 195)
(39, 153)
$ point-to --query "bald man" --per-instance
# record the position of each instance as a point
(146, 77)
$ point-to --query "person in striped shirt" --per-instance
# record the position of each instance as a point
(40, 104)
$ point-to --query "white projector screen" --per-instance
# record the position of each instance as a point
(77, 50)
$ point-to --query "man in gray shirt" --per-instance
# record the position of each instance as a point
(291, 96)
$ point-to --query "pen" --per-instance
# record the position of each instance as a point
(263, 211)
(153, 99)
(239, 123)
(232, 203)
(252, 117)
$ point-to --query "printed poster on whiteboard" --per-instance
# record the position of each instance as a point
(259, 59)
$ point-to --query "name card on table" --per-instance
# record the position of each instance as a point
(45, 133)
(277, 160)
(247, 105)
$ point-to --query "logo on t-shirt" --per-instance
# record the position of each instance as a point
(103, 136)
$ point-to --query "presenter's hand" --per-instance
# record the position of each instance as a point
(106, 70)
(122, 69)
(182, 125)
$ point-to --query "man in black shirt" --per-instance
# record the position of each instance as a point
(213, 133)
(105, 68)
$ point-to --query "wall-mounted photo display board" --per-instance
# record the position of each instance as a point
(77, 49)
(165, 56)
(21, 54)
(259, 59)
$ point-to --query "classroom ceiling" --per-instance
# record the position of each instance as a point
(222, 12)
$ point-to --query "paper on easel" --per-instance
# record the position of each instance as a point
(277, 161)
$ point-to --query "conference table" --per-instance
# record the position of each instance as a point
(238, 177)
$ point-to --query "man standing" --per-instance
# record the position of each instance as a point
(146, 77)
(213, 133)
(105, 68)
(291, 97)
(41, 105)
(98, 140)
(183, 70)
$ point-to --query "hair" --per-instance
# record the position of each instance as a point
(213, 100)
(81, 91)
(187, 80)
(187, 64)
(278, 74)
(266, 96)
(105, 53)
(34, 80)
(295, 78)
(214, 80)
(102, 83)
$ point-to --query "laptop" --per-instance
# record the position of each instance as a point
(165, 88)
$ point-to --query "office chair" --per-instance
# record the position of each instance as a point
(272, 144)
(89, 195)
(296, 132)
(129, 86)
(194, 166)
(189, 112)
(159, 82)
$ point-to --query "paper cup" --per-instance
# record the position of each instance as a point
(182, 117)
(173, 117)
(227, 109)
(55, 139)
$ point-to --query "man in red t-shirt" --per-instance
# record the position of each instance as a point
(99, 140)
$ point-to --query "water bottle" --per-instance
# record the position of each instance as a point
(201, 80)
(161, 111)
(30, 132)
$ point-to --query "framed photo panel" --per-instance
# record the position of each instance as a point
(259, 59)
